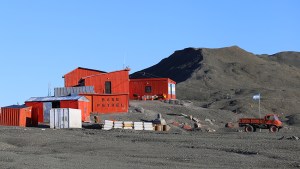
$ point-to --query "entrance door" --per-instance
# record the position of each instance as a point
(47, 106)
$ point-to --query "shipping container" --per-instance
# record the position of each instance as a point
(72, 78)
(163, 87)
(41, 106)
(65, 118)
(16, 115)
(108, 103)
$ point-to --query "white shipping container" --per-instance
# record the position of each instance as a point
(65, 118)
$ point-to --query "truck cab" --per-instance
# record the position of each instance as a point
(272, 119)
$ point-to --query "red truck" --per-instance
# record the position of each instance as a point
(270, 121)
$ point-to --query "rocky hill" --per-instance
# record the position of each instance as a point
(227, 78)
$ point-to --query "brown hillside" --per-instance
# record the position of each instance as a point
(227, 78)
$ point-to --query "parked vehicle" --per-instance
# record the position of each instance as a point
(270, 121)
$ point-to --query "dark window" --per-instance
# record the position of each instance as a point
(103, 99)
(148, 89)
(56, 104)
(81, 82)
(117, 99)
(108, 87)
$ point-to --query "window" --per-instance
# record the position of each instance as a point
(108, 87)
(148, 89)
(56, 104)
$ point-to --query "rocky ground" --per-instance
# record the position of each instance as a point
(212, 146)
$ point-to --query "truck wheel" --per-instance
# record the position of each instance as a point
(249, 128)
(273, 129)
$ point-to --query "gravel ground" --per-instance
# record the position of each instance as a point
(36, 148)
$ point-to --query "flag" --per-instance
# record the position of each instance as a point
(256, 97)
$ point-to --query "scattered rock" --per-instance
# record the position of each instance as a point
(229, 125)
(293, 138)
(197, 125)
(195, 119)
(187, 127)
(209, 121)
(140, 110)
(209, 130)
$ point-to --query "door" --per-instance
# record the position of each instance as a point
(47, 106)
(108, 87)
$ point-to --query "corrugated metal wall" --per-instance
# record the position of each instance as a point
(15, 117)
(119, 82)
(72, 78)
(67, 91)
(159, 86)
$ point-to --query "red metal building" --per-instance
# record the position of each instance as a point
(163, 87)
(72, 78)
(16, 115)
(108, 103)
(103, 83)
(109, 83)
(41, 107)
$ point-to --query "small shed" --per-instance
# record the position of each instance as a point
(41, 106)
(162, 87)
(16, 115)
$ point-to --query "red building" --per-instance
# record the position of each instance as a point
(108, 83)
(111, 90)
(162, 87)
(41, 107)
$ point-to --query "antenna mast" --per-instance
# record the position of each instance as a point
(49, 89)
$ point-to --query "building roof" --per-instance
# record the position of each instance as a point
(100, 71)
(51, 99)
(127, 69)
(16, 106)
(152, 79)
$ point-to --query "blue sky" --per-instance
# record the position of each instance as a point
(42, 40)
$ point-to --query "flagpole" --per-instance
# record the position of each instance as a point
(259, 106)
(259, 110)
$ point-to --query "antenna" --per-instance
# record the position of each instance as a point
(124, 60)
(49, 89)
